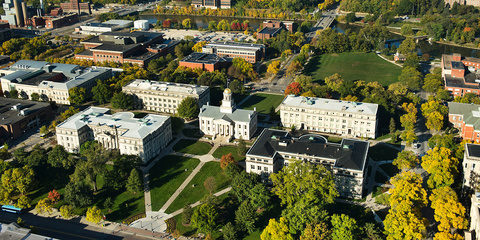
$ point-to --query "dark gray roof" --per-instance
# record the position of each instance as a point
(349, 154)
(8, 116)
(198, 57)
(457, 65)
(473, 150)
(270, 30)
(460, 82)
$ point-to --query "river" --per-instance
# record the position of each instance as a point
(433, 49)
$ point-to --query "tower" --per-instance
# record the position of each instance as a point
(228, 106)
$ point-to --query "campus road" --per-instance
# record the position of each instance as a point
(63, 229)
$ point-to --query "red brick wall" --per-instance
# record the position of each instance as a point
(458, 73)
(462, 91)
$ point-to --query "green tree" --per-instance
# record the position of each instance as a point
(58, 158)
(14, 93)
(229, 232)
(66, 211)
(392, 127)
(34, 96)
(134, 183)
(92, 164)
(301, 213)
(242, 184)
(276, 230)
(441, 166)
(411, 77)
(406, 160)
(94, 214)
(432, 83)
(318, 231)
(101, 93)
(188, 23)
(187, 214)
(246, 217)
(43, 130)
(77, 95)
(68, 113)
(122, 101)
(242, 148)
(188, 108)
(259, 196)
(38, 156)
(204, 218)
(23, 202)
(344, 228)
(15, 182)
(334, 82)
(77, 194)
(407, 46)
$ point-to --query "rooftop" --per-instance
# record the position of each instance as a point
(270, 31)
(330, 104)
(197, 57)
(166, 87)
(448, 59)
(451, 81)
(470, 113)
(238, 115)
(128, 126)
(473, 150)
(14, 232)
(349, 154)
(234, 45)
(10, 116)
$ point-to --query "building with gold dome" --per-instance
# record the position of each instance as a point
(226, 120)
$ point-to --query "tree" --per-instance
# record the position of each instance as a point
(245, 217)
(122, 100)
(441, 166)
(411, 77)
(15, 182)
(44, 205)
(43, 130)
(188, 23)
(344, 228)
(434, 113)
(406, 29)
(350, 17)
(432, 83)
(53, 196)
(408, 121)
(242, 185)
(229, 232)
(188, 108)
(66, 211)
(198, 46)
(134, 183)
(236, 86)
(334, 82)
(101, 93)
(301, 213)
(94, 215)
(242, 148)
(14, 93)
(68, 113)
(23, 202)
(77, 194)
(316, 231)
(4, 155)
(259, 196)
(304, 181)
(77, 95)
(187, 214)
(405, 222)
(226, 160)
(210, 184)
(34, 96)
(448, 210)
(406, 160)
(58, 157)
(37, 157)
(293, 88)
(407, 187)
(407, 46)
(92, 164)
(273, 67)
(204, 218)
(276, 230)
(232, 170)
(392, 127)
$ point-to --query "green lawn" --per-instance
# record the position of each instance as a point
(381, 152)
(190, 132)
(195, 190)
(390, 169)
(334, 139)
(125, 204)
(192, 147)
(167, 175)
(353, 66)
(223, 150)
(263, 102)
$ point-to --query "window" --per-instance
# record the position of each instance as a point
(252, 167)
(259, 168)
(265, 169)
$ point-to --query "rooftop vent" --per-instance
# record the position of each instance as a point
(283, 143)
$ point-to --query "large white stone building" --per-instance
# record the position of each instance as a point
(51, 81)
(145, 137)
(471, 166)
(227, 121)
(345, 118)
(164, 96)
(347, 160)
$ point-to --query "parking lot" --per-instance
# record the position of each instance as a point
(210, 36)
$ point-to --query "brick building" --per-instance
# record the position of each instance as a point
(52, 22)
(252, 53)
(124, 47)
(271, 28)
(204, 61)
(466, 118)
(18, 116)
(76, 6)
(214, 4)
(461, 74)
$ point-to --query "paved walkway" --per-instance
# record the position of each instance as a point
(226, 190)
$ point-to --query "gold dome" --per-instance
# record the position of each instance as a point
(227, 90)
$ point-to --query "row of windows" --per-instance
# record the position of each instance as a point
(328, 113)
(232, 52)
(106, 56)
(259, 168)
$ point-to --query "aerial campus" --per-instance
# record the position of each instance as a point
(245, 119)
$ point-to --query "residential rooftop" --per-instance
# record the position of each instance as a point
(198, 57)
(8, 115)
(470, 113)
(166, 87)
(137, 128)
(349, 154)
(330, 104)
(270, 30)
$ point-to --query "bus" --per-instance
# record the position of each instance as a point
(11, 209)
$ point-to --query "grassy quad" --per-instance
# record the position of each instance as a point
(224, 150)
(353, 66)
(192, 147)
(166, 177)
(263, 102)
(195, 190)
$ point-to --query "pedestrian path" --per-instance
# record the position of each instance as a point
(226, 190)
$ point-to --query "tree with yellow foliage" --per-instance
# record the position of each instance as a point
(273, 67)
(434, 113)
(198, 46)
(405, 222)
(94, 214)
(448, 210)
(408, 121)
(405, 160)
(276, 230)
(44, 205)
(407, 186)
(441, 166)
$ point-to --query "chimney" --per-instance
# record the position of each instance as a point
(25, 13)
(18, 13)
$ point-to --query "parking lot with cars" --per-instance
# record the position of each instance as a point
(210, 36)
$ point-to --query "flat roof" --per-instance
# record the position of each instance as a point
(234, 45)
(458, 65)
(166, 87)
(451, 81)
(270, 30)
(330, 104)
(9, 116)
(207, 58)
(349, 154)
(473, 150)
(137, 128)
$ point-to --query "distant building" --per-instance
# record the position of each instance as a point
(50, 80)
(461, 74)
(345, 118)
(252, 53)
(164, 96)
(227, 121)
(145, 137)
(347, 160)
(271, 28)
(205, 61)
(399, 57)
(14, 13)
(214, 4)
(125, 47)
(108, 26)
(18, 116)
(52, 22)
(466, 118)
(76, 6)
(475, 3)
(12, 232)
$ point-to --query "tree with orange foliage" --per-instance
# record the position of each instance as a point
(293, 88)
(53, 196)
(227, 159)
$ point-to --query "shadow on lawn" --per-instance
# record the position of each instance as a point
(254, 99)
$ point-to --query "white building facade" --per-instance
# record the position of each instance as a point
(226, 120)
(145, 137)
(164, 96)
(471, 166)
(340, 117)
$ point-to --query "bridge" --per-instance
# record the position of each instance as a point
(324, 22)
